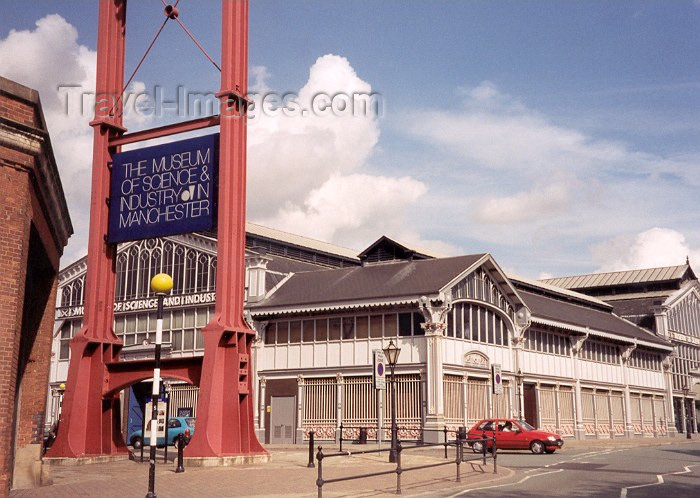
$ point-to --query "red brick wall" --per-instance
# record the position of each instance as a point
(15, 219)
(17, 110)
(26, 314)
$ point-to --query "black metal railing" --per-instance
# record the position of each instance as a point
(458, 443)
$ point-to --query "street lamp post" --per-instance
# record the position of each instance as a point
(519, 391)
(161, 284)
(392, 355)
(686, 412)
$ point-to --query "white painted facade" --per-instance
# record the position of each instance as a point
(321, 354)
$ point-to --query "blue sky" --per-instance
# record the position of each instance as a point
(561, 136)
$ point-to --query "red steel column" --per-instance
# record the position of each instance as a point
(90, 425)
(225, 408)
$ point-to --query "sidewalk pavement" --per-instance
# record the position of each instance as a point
(287, 474)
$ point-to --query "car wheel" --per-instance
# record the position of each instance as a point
(549, 451)
(175, 442)
(136, 442)
(537, 447)
(478, 447)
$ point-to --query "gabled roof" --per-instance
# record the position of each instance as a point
(386, 249)
(618, 278)
(551, 311)
(398, 281)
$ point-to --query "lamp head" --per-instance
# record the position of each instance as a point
(392, 353)
(162, 283)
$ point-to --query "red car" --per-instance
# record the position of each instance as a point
(514, 435)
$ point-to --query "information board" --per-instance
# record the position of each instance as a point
(164, 190)
(160, 425)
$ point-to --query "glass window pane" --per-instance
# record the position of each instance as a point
(64, 350)
(418, 319)
(177, 340)
(362, 327)
(375, 326)
(295, 331)
(131, 323)
(189, 318)
(282, 332)
(458, 312)
(322, 329)
(390, 324)
(177, 319)
(334, 329)
(405, 321)
(199, 339)
(348, 328)
(270, 333)
(188, 342)
(307, 332)
(201, 317)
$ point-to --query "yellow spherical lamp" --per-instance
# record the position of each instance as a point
(162, 283)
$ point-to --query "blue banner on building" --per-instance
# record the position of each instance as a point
(164, 190)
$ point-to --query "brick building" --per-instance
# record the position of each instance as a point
(34, 229)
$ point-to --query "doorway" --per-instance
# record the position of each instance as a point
(530, 404)
(282, 410)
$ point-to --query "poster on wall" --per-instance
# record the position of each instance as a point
(164, 190)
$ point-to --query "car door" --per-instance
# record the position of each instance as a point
(174, 429)
(504, 439)
(520, 438)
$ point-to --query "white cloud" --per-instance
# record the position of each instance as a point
(307, 174)
(649, 249)
(514, 178)
(345, 204)
(63, 72)
(527, 205)
(57, 59)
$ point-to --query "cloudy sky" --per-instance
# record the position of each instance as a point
(562, 137)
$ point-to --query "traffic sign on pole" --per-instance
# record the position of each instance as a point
(496, 379)
(379, 369)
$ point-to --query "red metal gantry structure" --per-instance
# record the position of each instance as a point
(90, 419)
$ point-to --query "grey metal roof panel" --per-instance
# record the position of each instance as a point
(662, 274)
(568, 313)
(372, 282)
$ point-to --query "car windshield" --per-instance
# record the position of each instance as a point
(525, 425)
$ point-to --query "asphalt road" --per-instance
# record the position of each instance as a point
(650, 471)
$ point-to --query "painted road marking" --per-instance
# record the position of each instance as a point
(659, 480)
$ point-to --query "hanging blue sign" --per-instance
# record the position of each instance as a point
(164, 190)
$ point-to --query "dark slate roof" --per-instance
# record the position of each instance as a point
(369, 283)
(635, 307)
(286, 265)
(554, 309)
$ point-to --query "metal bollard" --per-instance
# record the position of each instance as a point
(458, 458)
(319, 481)
(341, 436)
(398, 467)
(483, 446)
(444, 431)
(311, 449)
(495, 453)
(180, 448)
